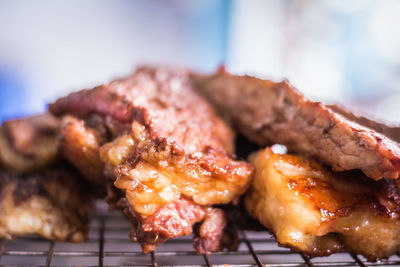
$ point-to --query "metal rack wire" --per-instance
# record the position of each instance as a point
(109, 245)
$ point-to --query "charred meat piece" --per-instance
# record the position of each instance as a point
(318, 212)
(51, 203)
(30, 143)
(163, 145)
(267, 113)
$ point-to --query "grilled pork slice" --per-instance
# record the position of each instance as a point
(267, 113)
(162, 145)
(52, 203)
(30, 143)
(313, 210)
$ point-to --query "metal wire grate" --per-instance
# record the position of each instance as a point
(109, 245)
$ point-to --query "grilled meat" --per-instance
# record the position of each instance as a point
(215, 233)
(163, 145)
(318, 212)
(80, 145)
(52, 203)
(40, 194)
(170, 221)
(391, 131)
(30, 143)
(267, 113)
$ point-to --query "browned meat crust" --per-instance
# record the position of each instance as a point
(318, 212)
(164, 146)
(51, 203)
(267, 113)
(80, 145)
(30, 143)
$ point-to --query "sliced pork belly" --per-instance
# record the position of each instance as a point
(311, 209)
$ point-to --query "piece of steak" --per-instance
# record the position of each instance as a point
(267, 112)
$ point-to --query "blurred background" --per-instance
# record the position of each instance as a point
(336, 51)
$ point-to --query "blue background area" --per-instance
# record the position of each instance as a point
(12, 100)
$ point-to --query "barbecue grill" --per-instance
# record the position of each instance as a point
(109, 245)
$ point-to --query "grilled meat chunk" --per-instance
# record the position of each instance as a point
(52, 203)
(30, 143)
(318, 212)
(39, 193)
(163, 146)
(267, 113)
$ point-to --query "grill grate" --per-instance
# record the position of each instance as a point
(109, 245)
